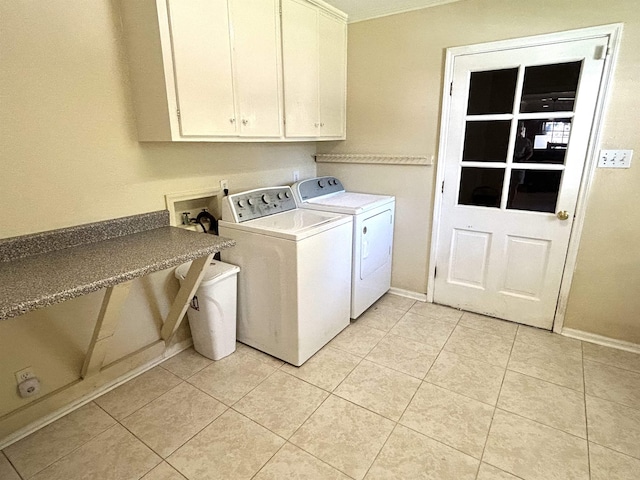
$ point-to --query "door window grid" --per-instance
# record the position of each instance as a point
(556, 130)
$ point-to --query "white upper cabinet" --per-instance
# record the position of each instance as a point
(205, 70)
(257, 66)
(212, 70)
(314, 47)
(202, 64)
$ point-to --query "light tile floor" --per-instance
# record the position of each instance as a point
(408, 391)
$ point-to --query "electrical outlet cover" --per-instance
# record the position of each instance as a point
(24, 374)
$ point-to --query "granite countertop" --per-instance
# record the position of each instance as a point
(28, 282)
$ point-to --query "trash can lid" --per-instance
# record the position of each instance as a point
(214, 272)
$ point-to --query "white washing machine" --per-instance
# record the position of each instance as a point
(373, 220)
(294, 283)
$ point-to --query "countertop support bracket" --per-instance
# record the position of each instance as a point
(184, 296)
(106, 325)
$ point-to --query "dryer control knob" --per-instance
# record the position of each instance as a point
(286, 194)
(241, 203)
(250, 201)
(321, 183)
(280, 196)
(265, 198)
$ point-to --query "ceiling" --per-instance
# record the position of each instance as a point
(366, 9)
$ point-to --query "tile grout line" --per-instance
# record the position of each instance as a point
(22, 477)
(360, 406)
(495, 407)
(528, 375)
(164, 459)
(602, 362)
(302, 424)
(397, 422)
(74, 449)
(384, 444)
(502, 470)
(614, 450)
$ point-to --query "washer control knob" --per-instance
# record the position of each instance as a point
(280, 196)
(241, 203)
(265, 198)
(250, 201)
(287, 194)
(321, 183)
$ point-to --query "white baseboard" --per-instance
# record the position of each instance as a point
(601, 340)
(89, 397)
(409, 294)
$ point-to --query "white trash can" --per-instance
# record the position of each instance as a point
(213, 309)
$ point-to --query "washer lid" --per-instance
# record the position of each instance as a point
(291, 225)
(348, 202)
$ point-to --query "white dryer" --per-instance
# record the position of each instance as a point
(373, 220)
(295, 278)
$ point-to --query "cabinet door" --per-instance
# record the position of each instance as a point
(300, 62)
(256, 64)
(333, 71)
(202, 67)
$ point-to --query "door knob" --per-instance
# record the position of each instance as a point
(562, 215)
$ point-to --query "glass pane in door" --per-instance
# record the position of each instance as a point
(550, 88)
(492, 91)
(481, 186)
(534, 190)
(486, 141)
(542, 141)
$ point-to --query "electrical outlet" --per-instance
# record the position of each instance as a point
(224, 184)
(296, 175)
(24, 374)
(615, 158)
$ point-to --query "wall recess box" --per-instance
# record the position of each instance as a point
(615, 158)
(193, 202)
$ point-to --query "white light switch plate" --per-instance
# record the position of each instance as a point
(615, 158)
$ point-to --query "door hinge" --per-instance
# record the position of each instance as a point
(451, 89)
(435, 272)
(442, 187)
(601, 52)
(178, 112)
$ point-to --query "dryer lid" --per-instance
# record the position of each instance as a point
(348, 202)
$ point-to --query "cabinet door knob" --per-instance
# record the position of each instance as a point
(322, 124)
(232, 120)
(563, 215)
(316, 125)
(245, 121)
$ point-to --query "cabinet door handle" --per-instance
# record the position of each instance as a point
(232, 120)
(316, 125)
(245, 121)
(322, 124)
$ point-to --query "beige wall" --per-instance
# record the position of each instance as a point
(394, 88)
(69, 155)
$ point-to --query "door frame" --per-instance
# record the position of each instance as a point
(611, 31)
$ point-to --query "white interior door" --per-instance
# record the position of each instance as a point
(517, 136)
